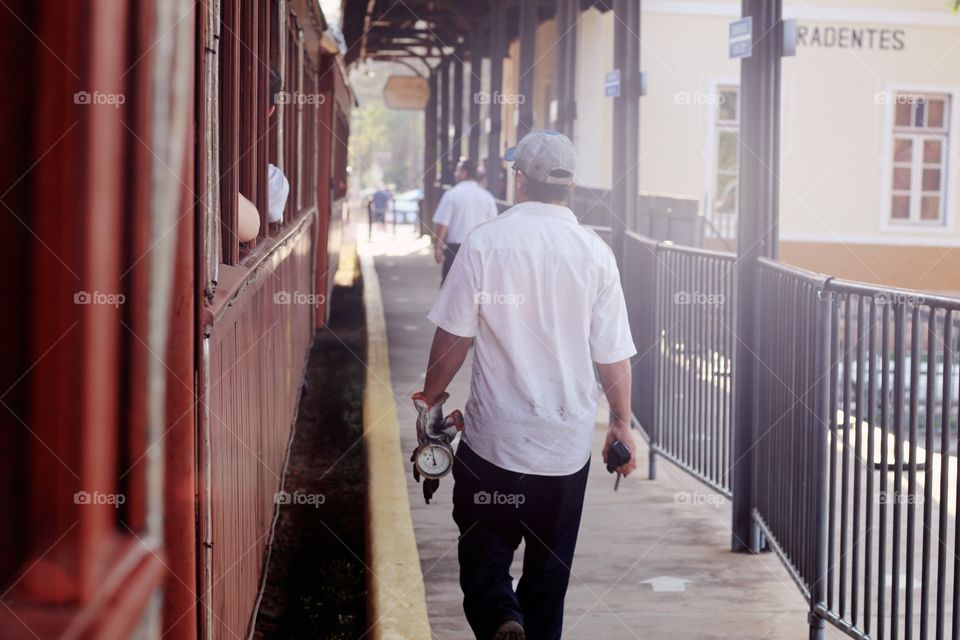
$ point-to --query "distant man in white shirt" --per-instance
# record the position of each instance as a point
(463, 207)
(540, 298)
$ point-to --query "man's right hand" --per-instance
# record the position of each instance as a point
(438, 253)
(620, 430)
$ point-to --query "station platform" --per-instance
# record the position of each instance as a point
(653, 559)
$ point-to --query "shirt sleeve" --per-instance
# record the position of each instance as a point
(278, 188)
(610, 337)
(457, 309)
(442, 214)
(492, 208)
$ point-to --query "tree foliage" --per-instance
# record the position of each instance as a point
(389, 139)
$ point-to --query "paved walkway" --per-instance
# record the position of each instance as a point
(653, 559)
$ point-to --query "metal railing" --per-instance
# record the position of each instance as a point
(856, 476)
(682, 396)
(791, 437)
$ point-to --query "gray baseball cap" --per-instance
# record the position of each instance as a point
(545, 156)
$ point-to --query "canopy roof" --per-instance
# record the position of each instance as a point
(385, 29)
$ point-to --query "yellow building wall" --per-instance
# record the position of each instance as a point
(835, 127)
(593, 129)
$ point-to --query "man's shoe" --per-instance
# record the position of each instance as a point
(510, 630)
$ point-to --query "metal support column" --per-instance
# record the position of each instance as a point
(568, 12)
(476, 64)
(528, 61)
(756, 236)
(446, 80)
(497, 52)
(430, 153)
(562, 22)
(626, 121)
(456, 145)
(570, 109)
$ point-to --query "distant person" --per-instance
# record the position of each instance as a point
(461, 208)
(278, 187)
(380, 202)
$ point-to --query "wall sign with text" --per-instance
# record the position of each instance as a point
(831, 37)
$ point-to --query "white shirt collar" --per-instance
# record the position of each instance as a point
(545, 209)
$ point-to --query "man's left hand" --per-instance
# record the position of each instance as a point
(438, 253)
(620, 430)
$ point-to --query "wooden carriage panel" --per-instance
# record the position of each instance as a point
(258, 347)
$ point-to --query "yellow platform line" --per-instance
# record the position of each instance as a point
(396, 601)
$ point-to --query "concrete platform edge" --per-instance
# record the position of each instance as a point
(396, 600)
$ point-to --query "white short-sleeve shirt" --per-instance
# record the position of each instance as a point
(278, 188)
(463, 207)
(542, 296)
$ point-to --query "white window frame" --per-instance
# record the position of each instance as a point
(710, 166)
(950, 169)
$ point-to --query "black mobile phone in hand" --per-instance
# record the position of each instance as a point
(618, 455)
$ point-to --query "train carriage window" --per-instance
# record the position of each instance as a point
(251, 90)
(269, 106)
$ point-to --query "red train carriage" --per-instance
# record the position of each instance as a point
(152, 363)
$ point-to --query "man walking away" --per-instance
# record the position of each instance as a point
(541, 297)
(463, 207)
(379, 203)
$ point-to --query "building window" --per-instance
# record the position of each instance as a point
(727, 159)
(919, 169)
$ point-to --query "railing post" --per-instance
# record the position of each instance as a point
(821, 439)
(657, 324)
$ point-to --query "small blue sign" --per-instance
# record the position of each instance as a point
(741, 38)
(611, 84)
(741, 49)
(741, 28)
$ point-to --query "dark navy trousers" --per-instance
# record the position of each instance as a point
(495, 509)
(449, 255)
